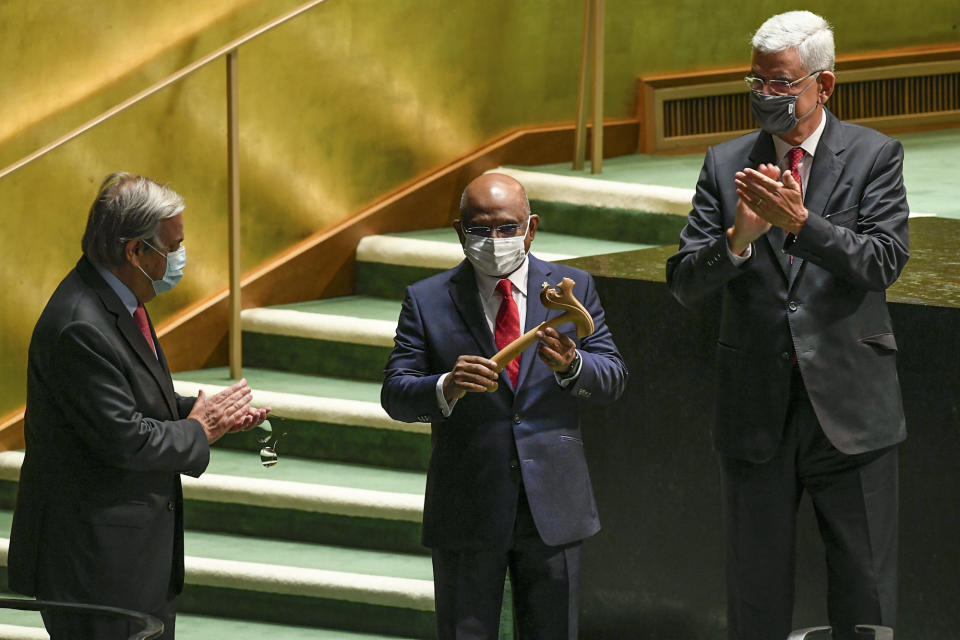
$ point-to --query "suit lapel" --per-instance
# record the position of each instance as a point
(130, 332)
(826, 170)
(537, 273)
(466, 299)
(764, 151)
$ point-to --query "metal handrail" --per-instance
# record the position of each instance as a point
(233, 155)
(152, 627)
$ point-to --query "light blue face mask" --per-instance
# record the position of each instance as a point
(176, 261)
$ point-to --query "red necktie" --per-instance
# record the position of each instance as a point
(140, 317)
(795, 155)
(508, 327)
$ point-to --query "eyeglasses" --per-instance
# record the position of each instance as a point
(503, 231)
(779, 87)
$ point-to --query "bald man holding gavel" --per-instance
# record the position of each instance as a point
(507, 487)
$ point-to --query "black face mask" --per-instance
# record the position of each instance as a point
(777, 114)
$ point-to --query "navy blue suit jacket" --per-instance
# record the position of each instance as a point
(480, 451)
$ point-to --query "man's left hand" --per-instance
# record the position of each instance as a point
(252, 417)
(779, 203)
(556, 350)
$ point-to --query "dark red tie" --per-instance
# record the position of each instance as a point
(795, 155)
(140, 317)
(508, 327)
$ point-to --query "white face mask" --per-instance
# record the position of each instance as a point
(496, 256)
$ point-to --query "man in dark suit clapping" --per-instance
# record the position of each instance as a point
(802, 226)
(99, 514)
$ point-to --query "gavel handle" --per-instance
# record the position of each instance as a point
(513, 350)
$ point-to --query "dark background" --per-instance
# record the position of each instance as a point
(656, 569)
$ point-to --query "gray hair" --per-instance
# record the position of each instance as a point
(126, 208)
(809, 33)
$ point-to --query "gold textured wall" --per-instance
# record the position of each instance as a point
(337, 108)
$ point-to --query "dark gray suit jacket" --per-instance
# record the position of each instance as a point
(490, 440)
(99, 514)
(829, 305)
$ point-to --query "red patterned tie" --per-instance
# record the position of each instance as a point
(508, 327)
(795, 155)
(140, 317)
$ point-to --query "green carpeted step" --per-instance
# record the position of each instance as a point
(28, 625)
(324, 417)
(302, 584)
(387, 264)
(197, 627)
(329, 503)
(348, 337)
(308, 500)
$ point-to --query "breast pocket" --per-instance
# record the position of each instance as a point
(845, 217)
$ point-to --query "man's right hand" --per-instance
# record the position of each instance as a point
(748, 226)
(470, 373)
(224, 412)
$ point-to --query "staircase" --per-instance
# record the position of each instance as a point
(324, 544)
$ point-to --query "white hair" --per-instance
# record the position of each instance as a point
(808, 32)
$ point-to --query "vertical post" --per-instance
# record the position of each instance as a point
(596, 155)
(580, 133)
(233, 205)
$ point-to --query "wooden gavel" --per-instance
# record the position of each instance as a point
(560, 298)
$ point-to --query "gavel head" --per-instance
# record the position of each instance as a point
(562, 298)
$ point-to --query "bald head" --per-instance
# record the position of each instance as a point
(494, 200)
(494, 191)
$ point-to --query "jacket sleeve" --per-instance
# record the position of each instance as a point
(603, 374)
(701, 265)
(94, 389)
(409, 389)
(867, 244)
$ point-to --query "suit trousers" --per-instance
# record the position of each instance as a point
(544, 579)
(855, 498)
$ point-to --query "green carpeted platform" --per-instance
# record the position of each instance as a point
(929, 171)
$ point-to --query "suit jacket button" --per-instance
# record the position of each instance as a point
(171, 506)
(514, 465)
(792, 305)
(785, 355)
(516, 418)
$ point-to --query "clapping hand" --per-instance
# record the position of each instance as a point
(227, 411)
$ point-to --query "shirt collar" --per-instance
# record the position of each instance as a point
(809, 145)
(123, 292)
(488, 284)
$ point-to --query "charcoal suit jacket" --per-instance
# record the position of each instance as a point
(828, 307)
(99, 513)
(492, 440)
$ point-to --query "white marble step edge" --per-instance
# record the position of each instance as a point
(602, 193)
(354, 413)
(430, 254)
(320, 326)
(406, 593)
(279, 494)
(13, 632)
